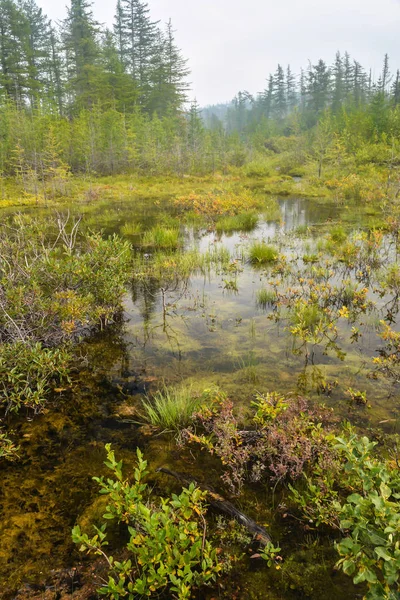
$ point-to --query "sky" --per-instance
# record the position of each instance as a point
(233, 45)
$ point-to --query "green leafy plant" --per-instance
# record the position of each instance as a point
(167, 547)
(270, 554)
(8, 449)
(370, 515)
(27, 374)
(371, 551)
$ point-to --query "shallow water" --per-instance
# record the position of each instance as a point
(195, 330)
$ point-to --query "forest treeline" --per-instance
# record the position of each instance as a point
(76, 97)
(345, 85)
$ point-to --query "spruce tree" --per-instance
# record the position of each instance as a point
(279, 97)
(56, 90)
(83, 54)
(136, 37)
(386, 76)
(348, 76)
(396, 89)
(319, 84)
(338, 84)
(38, 50)
(14, 32)
(291, 96)
(118, 89)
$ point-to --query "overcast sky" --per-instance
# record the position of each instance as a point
(233, 45)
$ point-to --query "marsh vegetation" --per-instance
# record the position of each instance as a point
(240, 355)
(218, 303)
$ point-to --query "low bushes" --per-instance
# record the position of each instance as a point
(55, 286)
(167, 550)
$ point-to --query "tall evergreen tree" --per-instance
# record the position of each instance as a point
(348, 76)
(80, 34)
(319, 84)
(38, 50)
(136, 37)
(14, 31)
(396, 89)
(279, 97)
(291, 96)
(338, 84)
(360, 84)
(267, 97)
(386, 76)
(118, 90)
(56, 71)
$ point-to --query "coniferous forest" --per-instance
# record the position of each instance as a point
(199, 321)
(122, 97)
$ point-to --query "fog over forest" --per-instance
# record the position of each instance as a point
(231, 45)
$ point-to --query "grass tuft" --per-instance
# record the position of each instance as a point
(171, 407)
(160, 237)
(242, 222)
(261, 254)
(266, 298)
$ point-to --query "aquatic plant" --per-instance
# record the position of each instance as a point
(310, 323)
(28, 373)
(226, 200)
(262, 254)
(266, 297)
(167, 547)
(130, 229)
(388, 361)
(338, 234)
(242, 222)
(171, 407)
(160, 237)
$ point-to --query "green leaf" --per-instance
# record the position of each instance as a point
(383, 553)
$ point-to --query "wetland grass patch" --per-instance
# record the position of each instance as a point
(265, 298)
(171, 408)
(261, 253)
(131, 229)
(161, 237)
(241, 222)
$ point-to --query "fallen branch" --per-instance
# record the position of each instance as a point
(224, 506)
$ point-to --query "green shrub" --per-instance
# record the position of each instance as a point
(8, 449)
(56, 285)
(51, 292)
(256, 169)
(361, 497)
(171, 408)
(167, 548)
(27, 374)
(261, 254)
